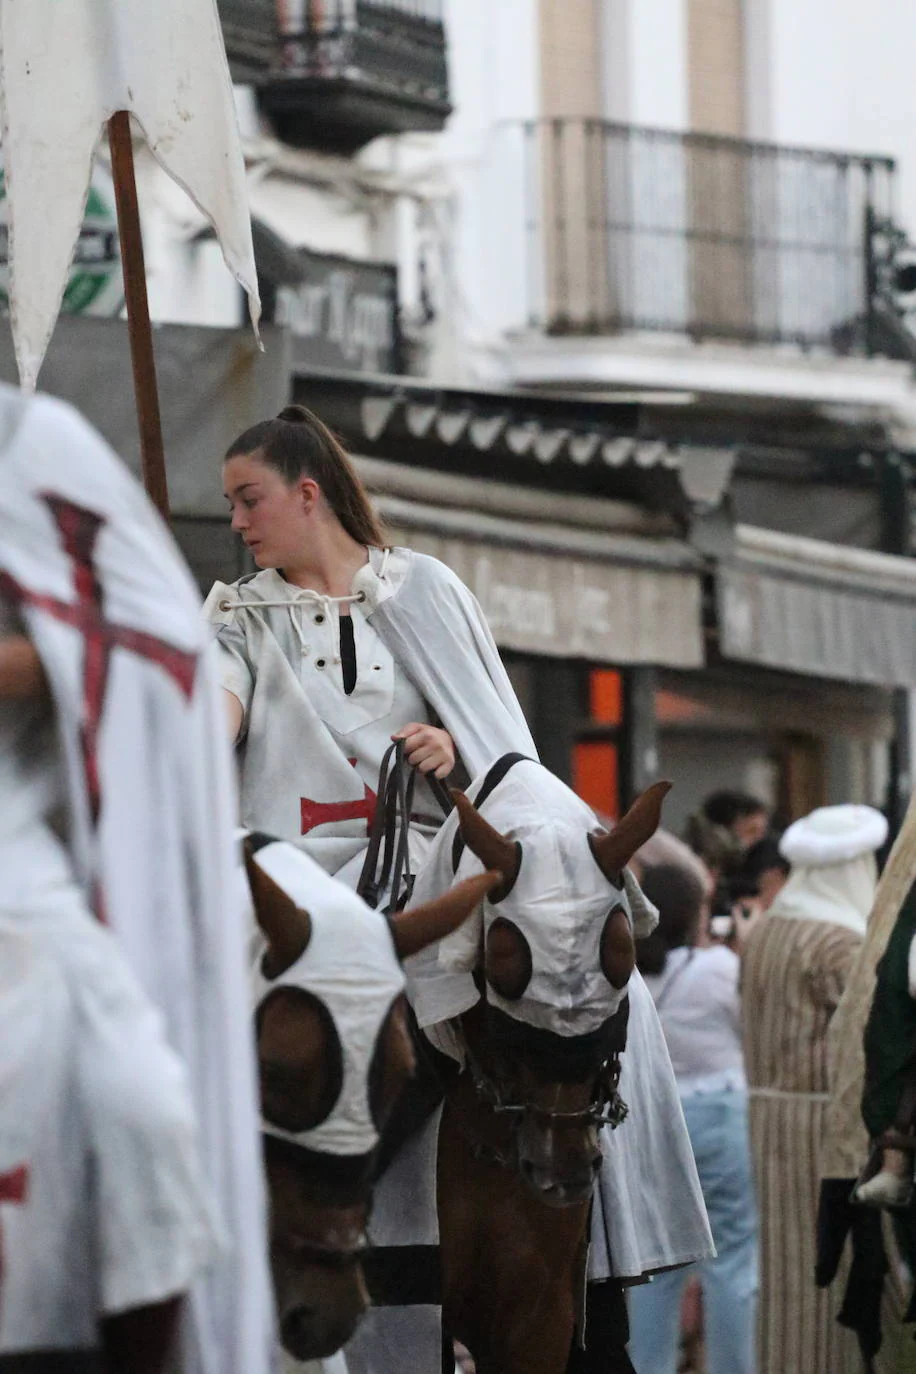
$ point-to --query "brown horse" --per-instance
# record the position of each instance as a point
(519, 1143)
(320, 1201)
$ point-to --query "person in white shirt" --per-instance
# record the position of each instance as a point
(696, 995)
(340, 644)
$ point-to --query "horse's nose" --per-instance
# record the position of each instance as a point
(297, 1332)
(567, 1190)
(307, 1334)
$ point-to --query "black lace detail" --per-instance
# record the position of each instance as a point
(347, 654)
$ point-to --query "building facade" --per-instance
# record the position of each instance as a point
(703, 200)
(603, 295)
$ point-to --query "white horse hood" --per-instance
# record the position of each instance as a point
(560, 903)
(350, 966)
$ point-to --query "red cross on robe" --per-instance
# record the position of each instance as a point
(79, 530)
(14, 1188)
(321, 813)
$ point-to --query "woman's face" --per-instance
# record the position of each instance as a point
(271, 516)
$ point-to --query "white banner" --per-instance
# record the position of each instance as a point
(67, 66)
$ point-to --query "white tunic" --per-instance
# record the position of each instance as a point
(310, 752)
(149, 807)
(101, 1191)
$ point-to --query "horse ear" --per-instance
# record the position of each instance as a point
(286, 927)
(614, 851)
(495, 851)
(423, 925)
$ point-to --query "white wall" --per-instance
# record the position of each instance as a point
(645, 49)
(493, 169)
(187, 279)
(494, 69)
(841, 76)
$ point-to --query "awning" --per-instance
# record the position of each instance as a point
(804, 606)
(574, 443)
(547, 585)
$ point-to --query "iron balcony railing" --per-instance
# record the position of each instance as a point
(296, 18)
(338, 72)
(632, 228)
(401, 41)
(263, 20)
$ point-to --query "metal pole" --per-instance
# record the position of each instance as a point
(871, 269)
(640, 733)
(138, 319)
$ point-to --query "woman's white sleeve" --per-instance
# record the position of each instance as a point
(233, 666)
(235, 670)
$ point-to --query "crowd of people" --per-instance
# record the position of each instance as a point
(760, 936)
(123, 949)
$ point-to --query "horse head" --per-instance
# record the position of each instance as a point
(334, 1054)
(554, 958)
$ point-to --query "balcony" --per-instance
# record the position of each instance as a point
(334, 74)
(635, 229)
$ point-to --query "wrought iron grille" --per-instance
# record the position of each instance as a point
(253, 26)
(304, 16)
(631, 228)
(335, 74)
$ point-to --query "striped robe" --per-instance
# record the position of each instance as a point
(793, 975)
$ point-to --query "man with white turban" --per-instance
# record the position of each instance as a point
(795, 968)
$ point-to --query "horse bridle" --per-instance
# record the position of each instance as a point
(348, 1186)
(388, 841)
(334, 1257)
(606, 1109)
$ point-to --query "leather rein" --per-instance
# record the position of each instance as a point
(607, 1107)
(388, 844)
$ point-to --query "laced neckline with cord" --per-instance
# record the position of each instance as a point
(302, 597)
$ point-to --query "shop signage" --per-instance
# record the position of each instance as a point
(343, 314)
(566, 607)
(95, 285)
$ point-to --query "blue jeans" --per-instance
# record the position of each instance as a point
(718, 1129)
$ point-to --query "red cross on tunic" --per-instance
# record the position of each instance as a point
(321, 813)
(14, 1188)
(79, 531)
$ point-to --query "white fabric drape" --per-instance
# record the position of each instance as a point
(101, 587)
(66, 69)
(840, 893)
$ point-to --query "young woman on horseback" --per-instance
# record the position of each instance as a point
(333, 648)
(339, 645)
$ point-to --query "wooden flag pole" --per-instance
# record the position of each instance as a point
(139, 326)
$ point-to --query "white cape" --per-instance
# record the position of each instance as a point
(436, 630)
(649, 1212)
(66, 69)
(151, 804)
